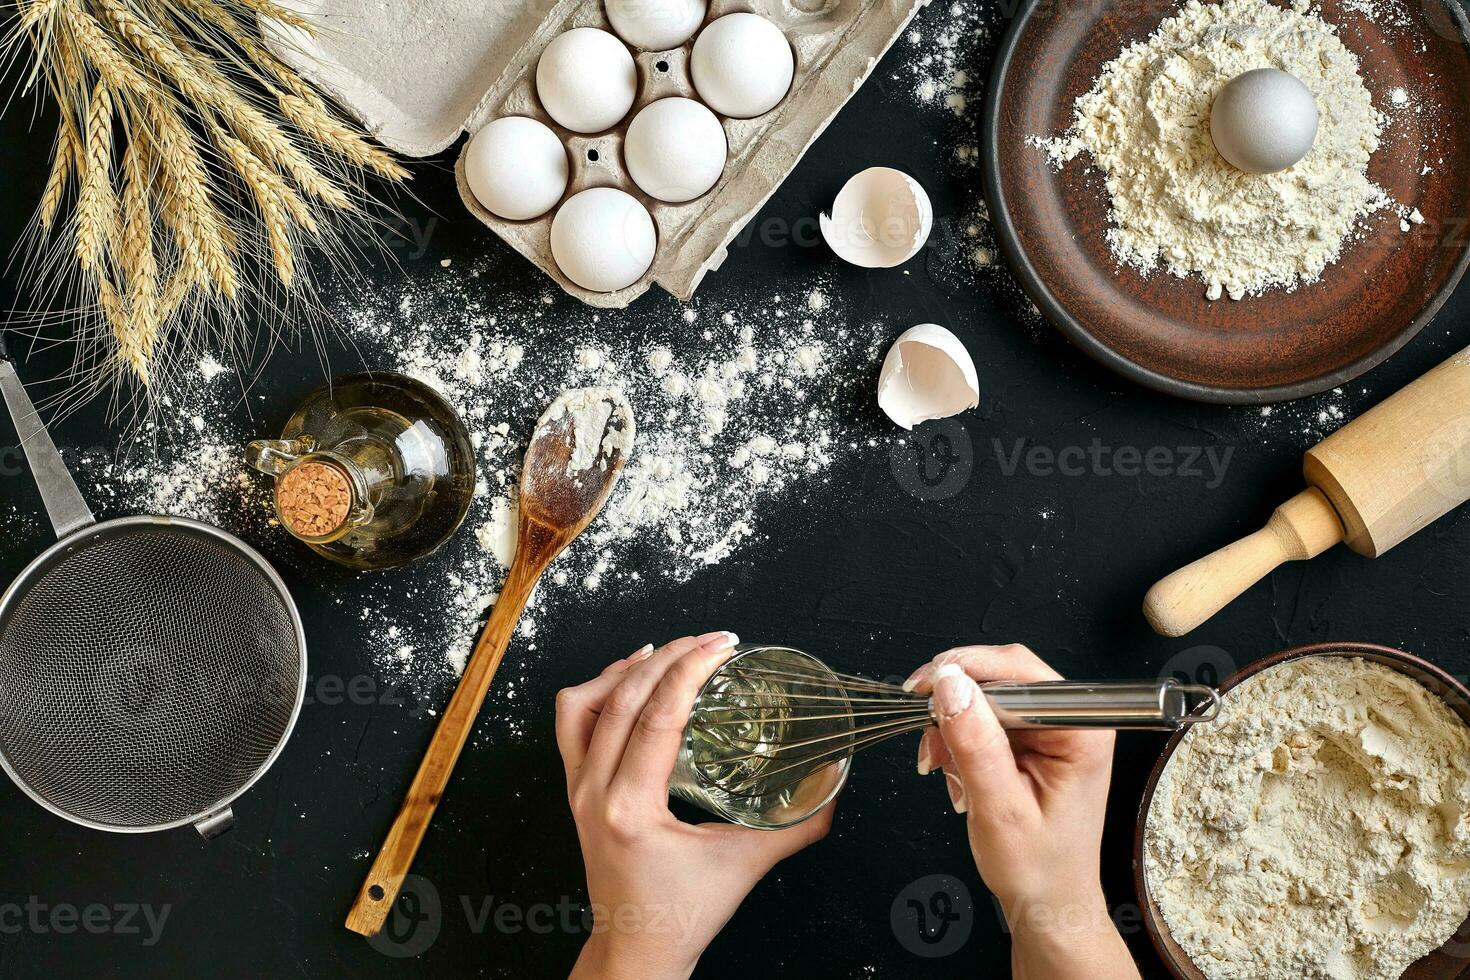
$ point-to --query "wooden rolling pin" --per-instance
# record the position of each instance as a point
(1373, 483)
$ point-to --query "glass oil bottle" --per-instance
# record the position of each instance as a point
(374, 470)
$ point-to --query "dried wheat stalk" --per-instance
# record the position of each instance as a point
(198, 168)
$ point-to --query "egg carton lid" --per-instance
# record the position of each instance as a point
(411, 71)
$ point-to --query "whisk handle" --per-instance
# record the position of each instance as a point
(1124, 706)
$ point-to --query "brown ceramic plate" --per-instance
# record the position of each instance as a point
(1449, 961)
(1161, 331)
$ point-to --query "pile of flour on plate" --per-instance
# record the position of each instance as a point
(1318, 829)
(1176, 202)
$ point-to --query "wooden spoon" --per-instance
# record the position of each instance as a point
(576, 453)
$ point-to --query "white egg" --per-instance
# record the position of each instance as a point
(927, 374)
(675, 150)
(881, 218)
(586, 80)
(603, 239)
(517, 168)
(656, 25)
(1264, 121)
(742, 65)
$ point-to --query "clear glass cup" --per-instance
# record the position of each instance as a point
(731, 763)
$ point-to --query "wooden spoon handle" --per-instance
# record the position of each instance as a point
(1303, 527)
(395, 858)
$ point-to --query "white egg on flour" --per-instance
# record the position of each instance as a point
(517, 168)
(1264, 121)
(742, 65)
(656, 25)
(603, 239)
(675, 150)
(586, 80)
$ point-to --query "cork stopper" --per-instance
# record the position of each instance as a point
(313, 500)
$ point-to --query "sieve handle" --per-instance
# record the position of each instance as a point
(216, 823)
(64, 503)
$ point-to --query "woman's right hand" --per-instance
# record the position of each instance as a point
(1034, 803)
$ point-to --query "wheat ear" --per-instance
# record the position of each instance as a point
(276, 12)
(299, 104)
(187, 208)
(140, 267)
(94, 44)
(96, 201)
(61, 167)
(269, 193)
(202, 83)
(189, 155)
(37, 11)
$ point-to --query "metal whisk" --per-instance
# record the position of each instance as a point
(772, 734)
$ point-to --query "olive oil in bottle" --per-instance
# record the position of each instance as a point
(373, 470)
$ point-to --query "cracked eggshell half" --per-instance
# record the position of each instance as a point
(881, 218)
(927, 374)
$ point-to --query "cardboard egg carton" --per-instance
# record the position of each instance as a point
(419, 73)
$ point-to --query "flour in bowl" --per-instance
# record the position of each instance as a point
(1320, 829)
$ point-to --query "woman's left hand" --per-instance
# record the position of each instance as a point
(660, 889)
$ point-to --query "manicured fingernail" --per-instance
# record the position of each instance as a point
(917, 676)
(642, 654)
(957, 797)
(953, 690)
(926, 756)
(720, 640)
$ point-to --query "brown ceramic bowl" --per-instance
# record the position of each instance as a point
(1160, 330)
(1449, 961)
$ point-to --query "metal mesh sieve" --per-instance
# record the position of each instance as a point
(150, 669)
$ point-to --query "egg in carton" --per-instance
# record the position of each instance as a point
(407, 69)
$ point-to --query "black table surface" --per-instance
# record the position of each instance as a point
(877, 568)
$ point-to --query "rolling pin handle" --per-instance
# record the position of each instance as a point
(1302, 528)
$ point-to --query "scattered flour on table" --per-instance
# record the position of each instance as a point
(1175, 202)
(16, 524)
(943, 61)
(735, 407)
(187, 461)
(943, 42)
(1320, 828)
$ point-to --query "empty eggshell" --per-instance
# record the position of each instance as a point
(675, 150)
(927, 374)
(586, 80)
(881, 219)
(656, 25)
(517, 168)
(742, 65)
(603, 239)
